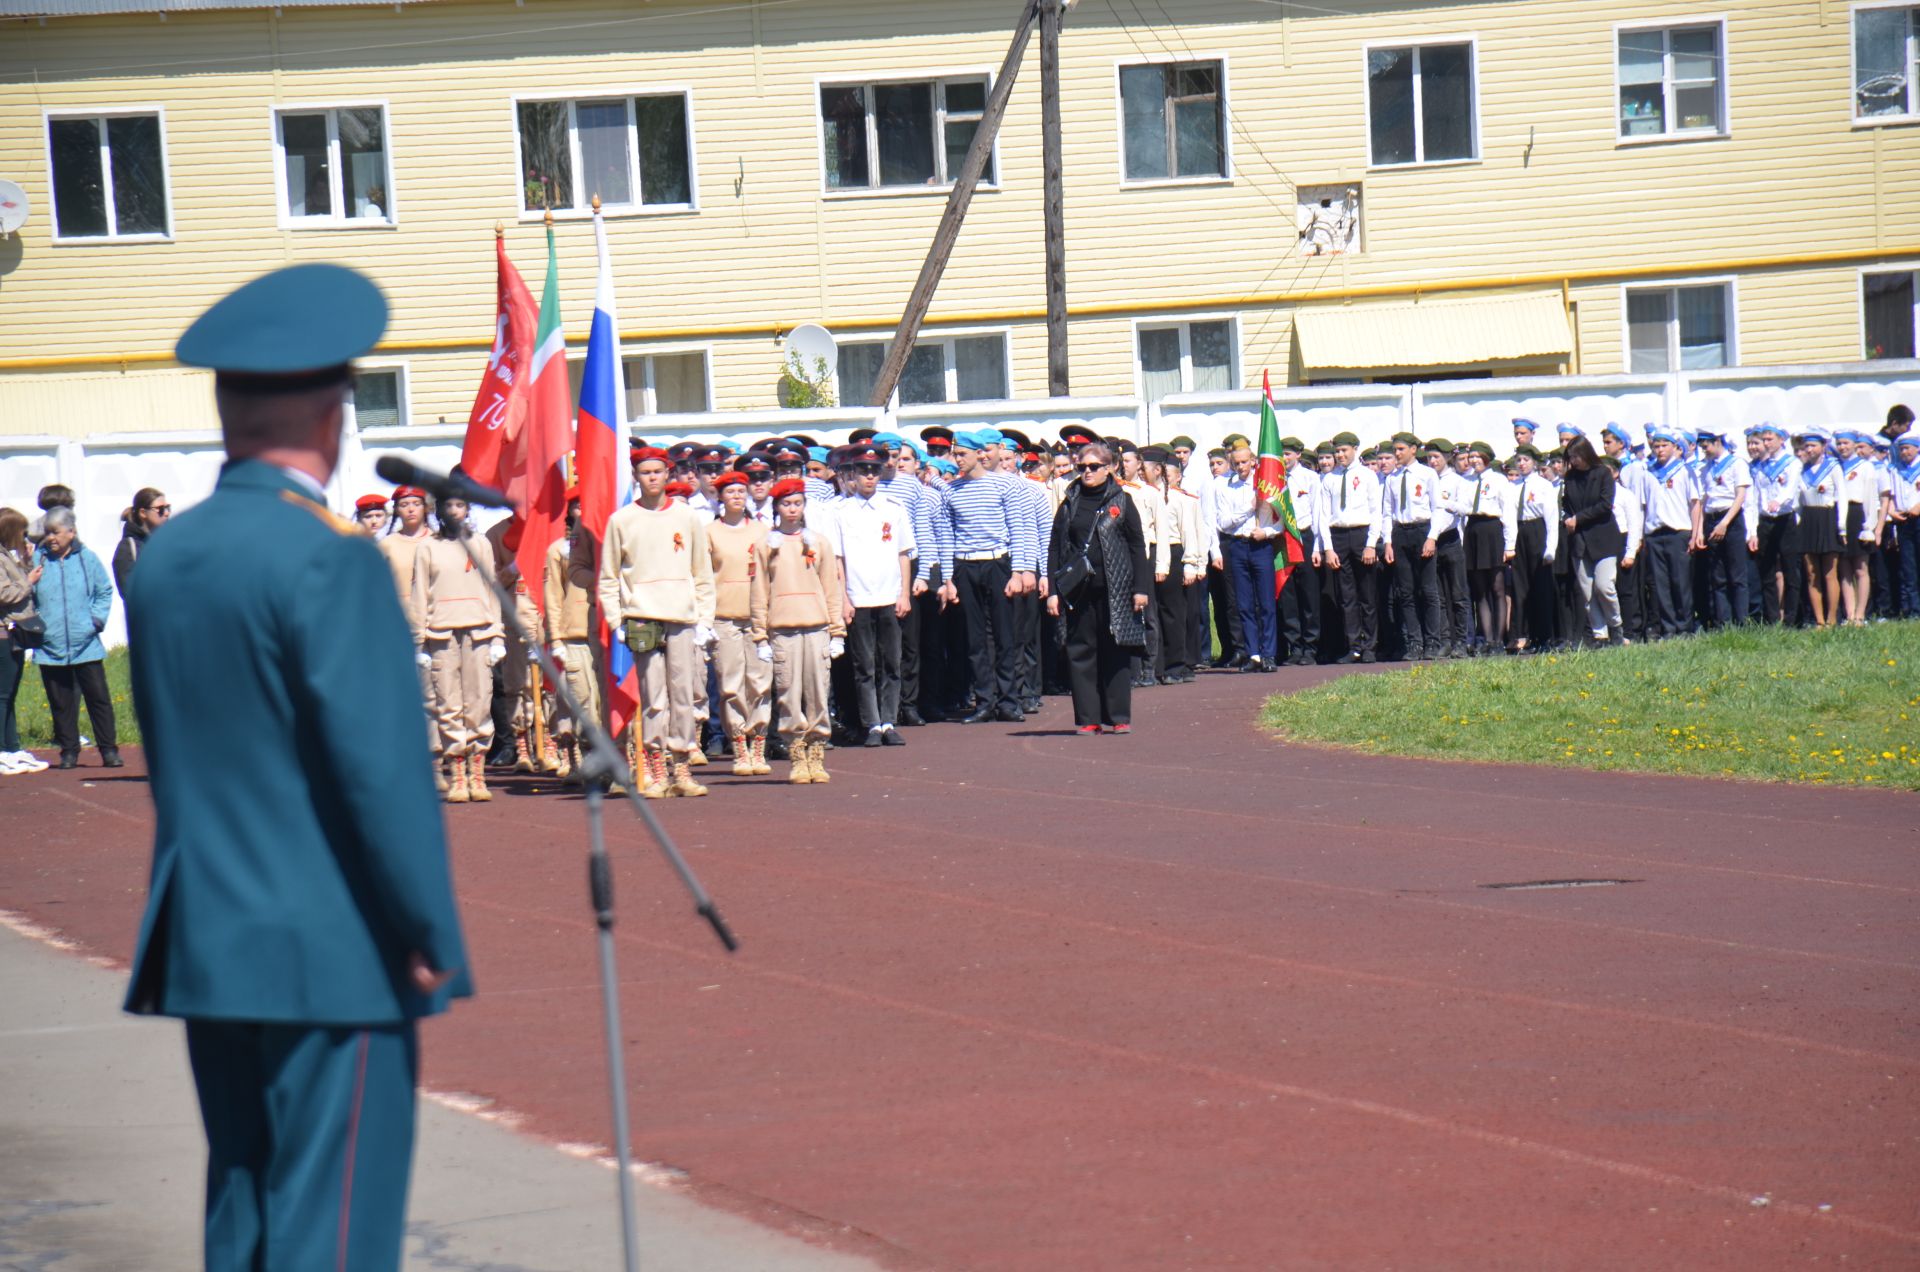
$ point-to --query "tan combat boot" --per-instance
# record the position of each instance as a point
(760, 765)
(440, 782)
(819, 750)
(653, 775)
(683, 783)
(457, 789)
(800, 762)
(742, 756)
(696, 757)
(522, 755)
(550, 756)
(563, 760)
(477, 778)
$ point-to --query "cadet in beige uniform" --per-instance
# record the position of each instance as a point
(1152, 507)
(461, 643)
(798, 626)
(504, 538)
(569, 634)
(745, 682)
(656, 589)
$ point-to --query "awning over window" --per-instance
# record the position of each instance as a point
(1433, 333)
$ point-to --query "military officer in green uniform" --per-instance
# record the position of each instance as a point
(300, 915)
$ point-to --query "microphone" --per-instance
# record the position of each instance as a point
(402, 471)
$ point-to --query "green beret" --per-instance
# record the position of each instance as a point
(1530, 452)
(1442, 445)
(1483, 450)
(1345, 439)
(1291, 444)
(1406, 439)
(1218, 452)
(1324, 448)
(1182, 440)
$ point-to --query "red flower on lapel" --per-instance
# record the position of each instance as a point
(1113, 511)
(886, 532)
(679, 543)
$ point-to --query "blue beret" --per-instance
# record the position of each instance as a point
(990, 436)
(888, 439)
(1526, 424)
(303, 318)
(969, 441)
(1568, 430)
(1881, 443)
(818, 454)
(1663, 435)
(1619, 431)
(944, 466)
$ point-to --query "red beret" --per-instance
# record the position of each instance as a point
(680, 489)
(729, 479)
(791, 486)
(409, 492)
(641, 454)
(365, 502)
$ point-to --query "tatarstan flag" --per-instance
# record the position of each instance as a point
(1270, 484)
(549, 437)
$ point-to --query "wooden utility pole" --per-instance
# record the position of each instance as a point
(963, 187)
(1052, 166)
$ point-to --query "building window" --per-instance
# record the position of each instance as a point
(1886, 62)
(666, 384)
(333, 166)
(1679, 328)
(1173, 121)
(379, 397)
(1187, 357)
(1420, 104)
(940, 369)
(1888, 313)
(109, 177)
(881, 136)
(1671, 82)
(634, 152)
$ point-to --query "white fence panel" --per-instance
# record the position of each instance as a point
(1372, 414)
(1850, 395)
(1484, 410)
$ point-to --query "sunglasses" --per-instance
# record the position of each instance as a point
(710, 470)
(865, 470)
(1093, 466)
(161, 510)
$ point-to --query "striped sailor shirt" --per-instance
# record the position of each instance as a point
(986, 517)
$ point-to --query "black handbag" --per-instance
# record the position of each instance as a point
(28, 631)
(1072, 578)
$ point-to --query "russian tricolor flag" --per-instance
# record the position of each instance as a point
(601, 469)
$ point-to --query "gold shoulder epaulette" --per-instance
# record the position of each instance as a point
(333, 522)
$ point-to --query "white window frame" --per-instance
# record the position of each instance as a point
(102, 114)
(1184, 324)
(1860, 297)
(649, 394)
(1729, 282)
(939, 78)
(945, 338)
(1225, 177)
(1671, 133)
(337, 177)
(1472, 41)
(1912, 113)
(403, 398)
(608, 210)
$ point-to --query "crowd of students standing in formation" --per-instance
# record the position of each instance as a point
(1421, 549)
(792, 597)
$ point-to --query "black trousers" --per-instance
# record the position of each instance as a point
(1456, 601)
(1171, 598)
(993, 650)
(1226, 615)
(1416, 592)
(65, 687)
(873, 648)
(13, 668)
(1145, 662)
(1727, 579)
(1777, 559)
(1630, 584)
(1300, 612)
(1026, 627)
(1672, 579)
(1354, 583)
(910, 651)
(1532, 589)
(1099, 670)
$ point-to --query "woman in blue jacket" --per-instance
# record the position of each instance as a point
(74, 597)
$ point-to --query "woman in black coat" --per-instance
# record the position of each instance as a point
(1096, 576)
(1594, 541)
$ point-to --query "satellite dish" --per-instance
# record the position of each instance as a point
(13, 207)
(813, 343)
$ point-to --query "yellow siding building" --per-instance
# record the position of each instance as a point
(1333, 192)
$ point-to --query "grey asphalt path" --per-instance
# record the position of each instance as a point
(101, 1159)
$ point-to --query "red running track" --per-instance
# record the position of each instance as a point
(1016, 999)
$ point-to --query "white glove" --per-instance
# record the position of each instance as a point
(559, 652)
(836, 647)
(763, 651)
(496, 650)
(423, 658)
(704, 636)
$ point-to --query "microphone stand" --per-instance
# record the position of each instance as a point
(604, 763)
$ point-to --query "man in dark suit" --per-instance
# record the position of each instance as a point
(300, 916)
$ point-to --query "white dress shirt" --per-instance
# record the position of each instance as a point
(870, 534)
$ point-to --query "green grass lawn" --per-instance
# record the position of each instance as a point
(36, 726)
(1839, 707)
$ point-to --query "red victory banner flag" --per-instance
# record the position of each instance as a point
(494, 451)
